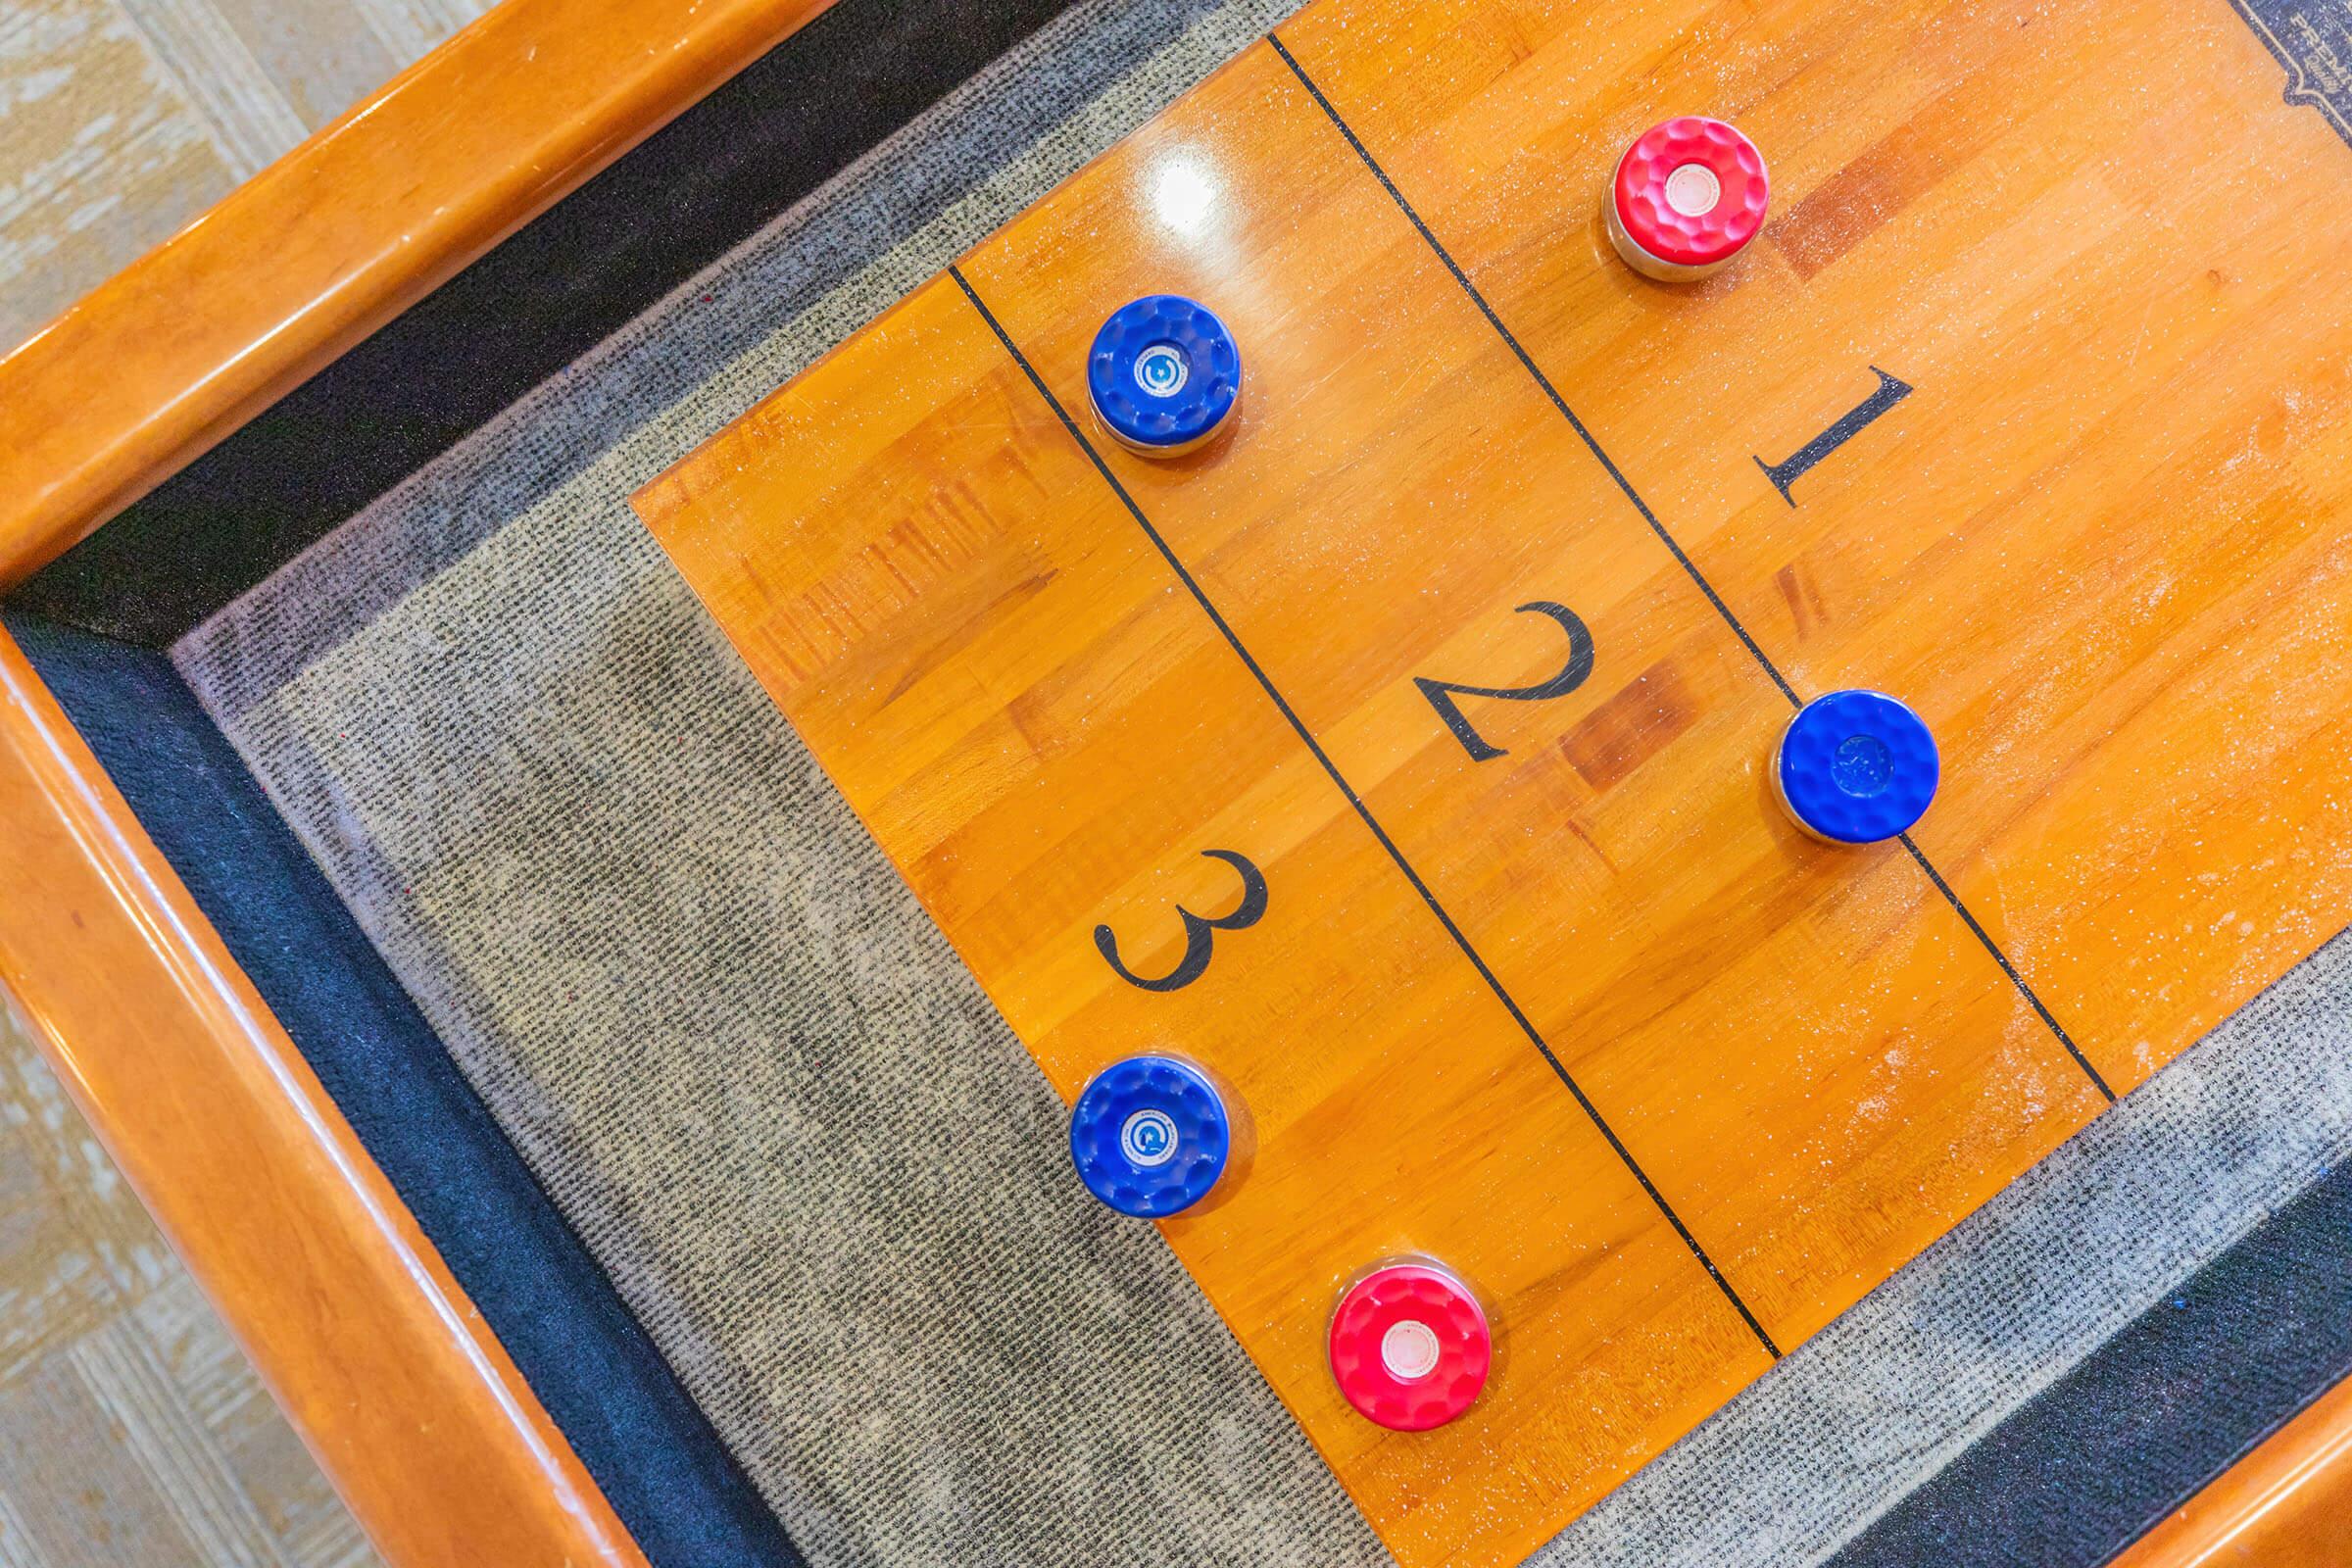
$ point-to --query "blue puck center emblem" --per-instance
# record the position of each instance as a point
(1862, 765)
(1161, 369)
(1151, 1136)
(1149, 1140)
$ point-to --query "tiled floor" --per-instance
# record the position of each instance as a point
(122, 120)
(132, 1432)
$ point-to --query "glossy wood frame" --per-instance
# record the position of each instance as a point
(213, 1113)
(2288, 1504)
(338, 236)
(411, 1405)
(400, 1389)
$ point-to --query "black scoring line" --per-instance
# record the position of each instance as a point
(1681, 556)
(2002, 958)
(1495, 322)
(1315, 749)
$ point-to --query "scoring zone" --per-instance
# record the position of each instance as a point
(1391, 756)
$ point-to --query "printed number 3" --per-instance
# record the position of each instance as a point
(1199, 931)
(1442, 692)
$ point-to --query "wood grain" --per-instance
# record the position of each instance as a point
(1133, 739)
(1819, 1064)
(2288, 1504)
(1776, 1029)
(408, 1401)
(335, 238)
(2100, 548)
(1046, 707)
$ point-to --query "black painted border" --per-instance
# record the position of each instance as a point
(541, 298)
(640, 1435)
(2140, 1425)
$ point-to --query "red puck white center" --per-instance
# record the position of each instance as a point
(1410, 1347)
(1693, 190)
(1688, 196)
(1409, 1351)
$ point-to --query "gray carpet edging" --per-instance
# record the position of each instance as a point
(2011, 1299)
(622, 414)
(690, 989)
(709, 1013)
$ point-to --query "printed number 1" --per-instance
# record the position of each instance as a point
(1784, 473)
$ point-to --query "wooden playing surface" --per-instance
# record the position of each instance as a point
(1670, 1083)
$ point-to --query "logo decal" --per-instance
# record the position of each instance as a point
(2313, 40)
(1147, 1140)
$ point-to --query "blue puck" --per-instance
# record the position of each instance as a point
(1149, 1135)
(1856, 767)
(1163, 375)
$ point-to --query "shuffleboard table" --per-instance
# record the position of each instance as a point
(611, 713)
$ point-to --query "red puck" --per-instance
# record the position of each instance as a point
(1689, 194)
(1410, 1347)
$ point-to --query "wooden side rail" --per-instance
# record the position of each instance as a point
(2288, 1504)
(335, 238)
(412, 1408)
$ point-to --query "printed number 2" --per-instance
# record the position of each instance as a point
(1442, 692)
(1198, 931)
